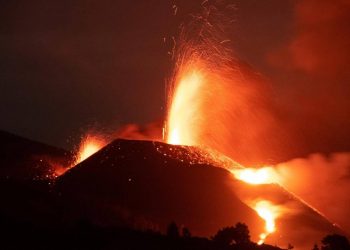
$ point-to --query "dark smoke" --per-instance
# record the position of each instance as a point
(311, 74)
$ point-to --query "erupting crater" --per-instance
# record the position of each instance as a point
(199, 98)
(189, 178)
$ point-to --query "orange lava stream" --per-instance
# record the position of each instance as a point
(269, 214)
(265, 209)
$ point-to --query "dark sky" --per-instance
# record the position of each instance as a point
(66, 66)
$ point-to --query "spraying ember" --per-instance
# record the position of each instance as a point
(216, 101)
(180, 131)
(89, 145)
(208, 94)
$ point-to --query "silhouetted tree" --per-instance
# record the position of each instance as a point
(186, 233)
(173, 231)
(233, 235)
(335, 242)
(242, 233)
(225, 236)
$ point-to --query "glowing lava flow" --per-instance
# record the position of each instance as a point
(265, 209)
(265, 175)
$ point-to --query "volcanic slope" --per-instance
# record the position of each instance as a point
(146, 184)
(27, 169)
(296, 222)
(21, 158)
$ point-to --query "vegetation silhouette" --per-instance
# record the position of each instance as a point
(173, 231)
(186, 233)
(335, 242)
(85, 235)
(237, 235)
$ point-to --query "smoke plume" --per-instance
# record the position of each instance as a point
(311, 72)
(323, 182)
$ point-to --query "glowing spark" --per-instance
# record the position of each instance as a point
(89, 146)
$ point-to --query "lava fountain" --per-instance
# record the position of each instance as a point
(207, 95)
(215, 100)
(183, 108)
(188, 120)
(89, 145)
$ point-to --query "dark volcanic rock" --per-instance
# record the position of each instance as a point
(26, 170)
(150, 184)
(21, 158)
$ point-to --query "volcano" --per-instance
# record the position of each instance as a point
(144, 183)
(147, 184)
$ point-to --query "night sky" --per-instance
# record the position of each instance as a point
(67, 66)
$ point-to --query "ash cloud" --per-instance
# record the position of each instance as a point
(150, 131)
(323, 182)
(310, 73)
(321, 42)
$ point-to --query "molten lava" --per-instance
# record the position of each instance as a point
(183, 109)
(269, 213)
(264, 175)
(89, 145)
(265, 209)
